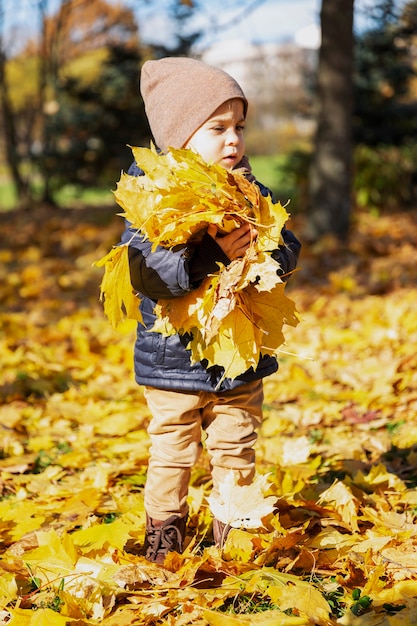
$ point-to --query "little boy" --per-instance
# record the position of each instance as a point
(193, 105)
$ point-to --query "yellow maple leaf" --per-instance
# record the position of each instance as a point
(58, 552)
(22, 516)
(270, 311)
(178, 195)
(235, 348)
(238, 546)
(230, 326)
(343, 501)
(8, 588)
(401, 591)
(40, 617)
(242, 506)
(290, 592)
(116, 289)
(97, 536)
(237, 314)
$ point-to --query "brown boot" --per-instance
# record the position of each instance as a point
(220, 532)
(163, 536)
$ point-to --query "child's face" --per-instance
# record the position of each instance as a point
(220, 139)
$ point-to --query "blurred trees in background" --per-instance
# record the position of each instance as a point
(69, 96)
(385, 114)
(69, 100)
(365, 148)
(385, 100)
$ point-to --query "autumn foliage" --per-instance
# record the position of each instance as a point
(338, 446)
(236, 314)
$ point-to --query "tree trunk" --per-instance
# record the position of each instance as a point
(44, 81)
(331, 169)
(9, 128)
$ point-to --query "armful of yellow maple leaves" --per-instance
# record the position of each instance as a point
(236, 314)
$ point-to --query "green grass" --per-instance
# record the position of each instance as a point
(72, 195)
(286, 175)
(67, 196)
(268, 170)
(7, 196)
(272, 172)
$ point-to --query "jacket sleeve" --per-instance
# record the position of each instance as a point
(170, 273)
(287, 255)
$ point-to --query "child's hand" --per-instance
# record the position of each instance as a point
(235, 244)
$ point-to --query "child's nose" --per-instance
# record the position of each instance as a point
(232, 137)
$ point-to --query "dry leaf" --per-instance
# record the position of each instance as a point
(242, 506)
(236, 315)
(116, 289)
(269, 618)
(66, 383)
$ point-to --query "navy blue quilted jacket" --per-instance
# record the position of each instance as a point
(164, 362)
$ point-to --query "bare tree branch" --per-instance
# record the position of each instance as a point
(237, 18)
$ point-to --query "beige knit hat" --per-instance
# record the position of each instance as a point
(180, 94)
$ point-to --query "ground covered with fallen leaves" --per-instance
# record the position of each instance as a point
(339, 445)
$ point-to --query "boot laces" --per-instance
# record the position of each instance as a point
(163, 539)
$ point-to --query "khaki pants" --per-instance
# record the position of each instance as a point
(230, 421)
